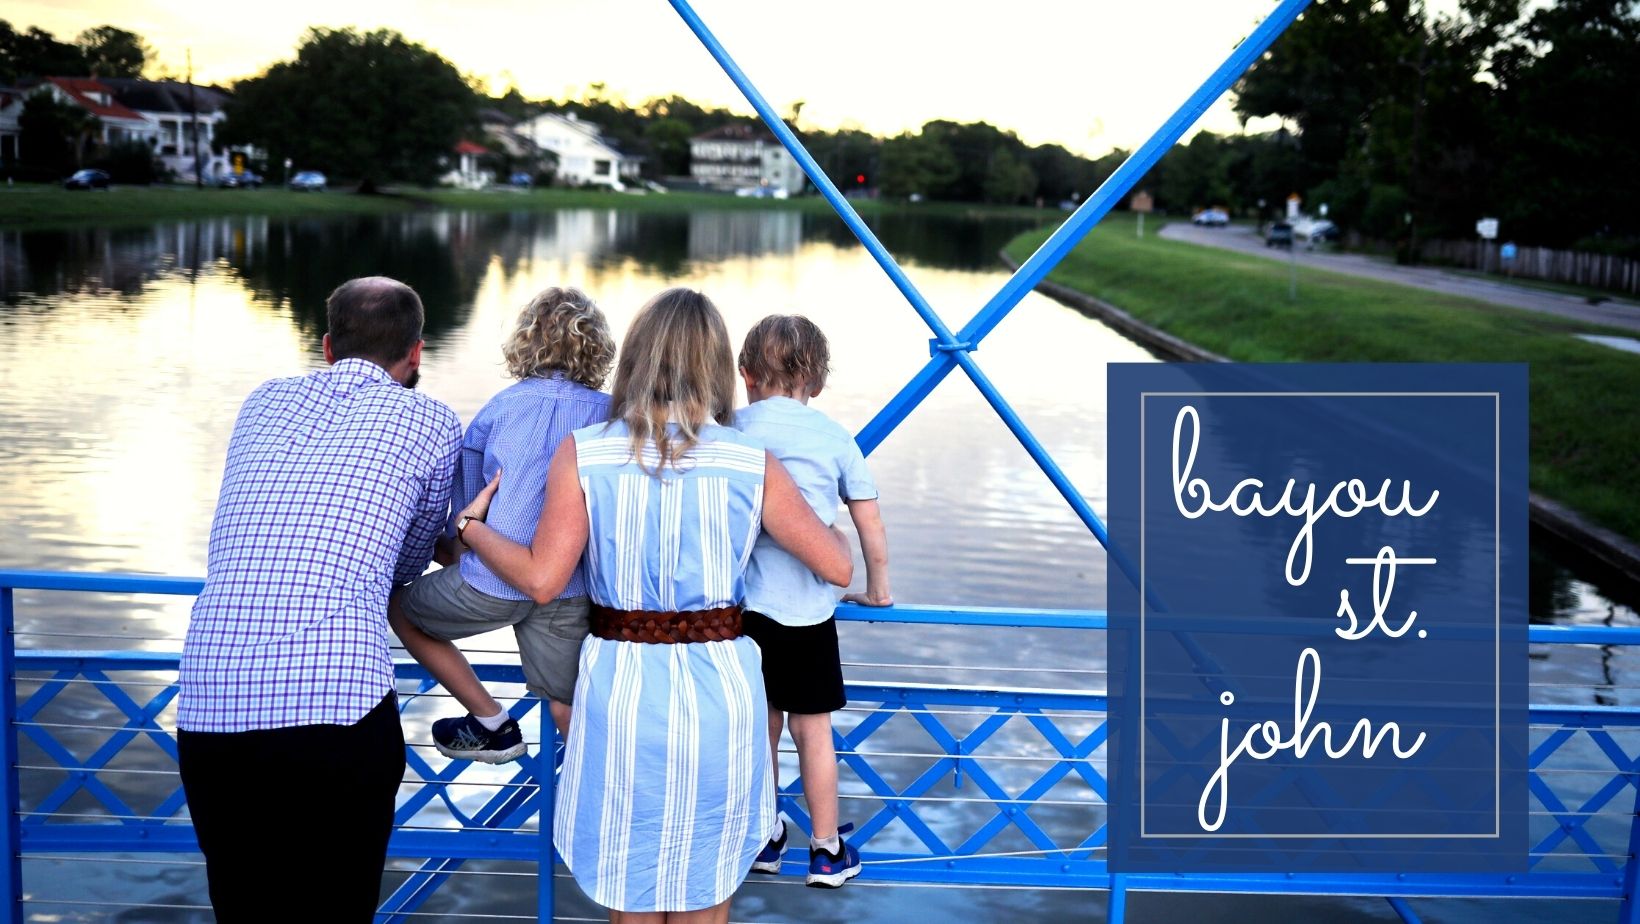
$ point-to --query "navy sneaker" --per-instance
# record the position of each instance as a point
(768, 859)
(466, 738)
(830, 871)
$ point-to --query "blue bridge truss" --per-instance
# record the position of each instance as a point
(1004, 787)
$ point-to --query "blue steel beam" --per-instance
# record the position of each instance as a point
(1083, 220)
(11, 868)
(818, 177)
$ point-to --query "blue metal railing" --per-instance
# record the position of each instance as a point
(932, 814)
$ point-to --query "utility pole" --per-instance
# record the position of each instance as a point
(193, 122)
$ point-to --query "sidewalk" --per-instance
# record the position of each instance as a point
(1241, 238)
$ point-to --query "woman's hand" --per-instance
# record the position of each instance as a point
(480, 506)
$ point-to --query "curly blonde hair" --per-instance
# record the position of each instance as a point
(561, 330)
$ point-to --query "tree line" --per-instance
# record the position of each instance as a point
(1409, 124)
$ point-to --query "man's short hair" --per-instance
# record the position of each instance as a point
(374, 318)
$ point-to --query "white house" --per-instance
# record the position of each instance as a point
(584, 157)
(116, 123)
(160, 113)
(741, 157)
(10, 134)
(174, 109)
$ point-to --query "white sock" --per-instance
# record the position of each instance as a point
(832, 845)
(493, 722)
(778, 832)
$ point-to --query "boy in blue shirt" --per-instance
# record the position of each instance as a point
(788, 610)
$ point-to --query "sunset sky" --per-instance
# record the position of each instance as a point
(1089, 75)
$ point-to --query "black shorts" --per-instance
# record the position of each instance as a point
(802, 670)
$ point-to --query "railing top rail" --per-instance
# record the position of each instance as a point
(908, 614)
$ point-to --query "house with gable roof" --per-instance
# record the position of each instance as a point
(585, 157)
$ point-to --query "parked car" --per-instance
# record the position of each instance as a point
(1322, 232)
(521, 180)
(1278, 234)
(87, 179)
(1211, 218)
(310, 180)
(245, 180)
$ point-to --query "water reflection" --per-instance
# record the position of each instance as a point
(124, 354)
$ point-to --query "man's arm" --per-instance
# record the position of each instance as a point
(432, 511)
(868, 523)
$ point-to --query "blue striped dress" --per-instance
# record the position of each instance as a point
(666, 794)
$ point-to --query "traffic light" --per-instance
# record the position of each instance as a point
(859, 179)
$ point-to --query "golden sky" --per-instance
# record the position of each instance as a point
(1090, 75)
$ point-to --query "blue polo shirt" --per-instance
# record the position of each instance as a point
(827, 465)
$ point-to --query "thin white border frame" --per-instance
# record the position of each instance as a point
(1497, 605)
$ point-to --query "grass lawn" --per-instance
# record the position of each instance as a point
(1585, 398)
(41, 205)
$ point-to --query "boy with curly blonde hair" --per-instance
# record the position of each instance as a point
(788, 609)
(560, 351)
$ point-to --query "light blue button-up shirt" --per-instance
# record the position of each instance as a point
(827, 465)
(517, 433)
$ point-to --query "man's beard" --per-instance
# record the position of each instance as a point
(415, 376)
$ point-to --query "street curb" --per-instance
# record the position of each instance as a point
(1609, 548)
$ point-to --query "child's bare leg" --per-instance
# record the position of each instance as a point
(637, 917)
(817, 762)
(776, 726)
(560, 716)
(444, 661)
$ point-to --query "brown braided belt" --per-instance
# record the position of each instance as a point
(717, 625)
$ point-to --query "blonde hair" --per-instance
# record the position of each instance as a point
(675, 366)
(561, 330)
(786, 351)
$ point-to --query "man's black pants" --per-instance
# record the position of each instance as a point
(294, 821)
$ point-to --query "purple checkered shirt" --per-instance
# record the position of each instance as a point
(336, 486)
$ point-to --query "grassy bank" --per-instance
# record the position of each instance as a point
(36, 206)
(1585, 398)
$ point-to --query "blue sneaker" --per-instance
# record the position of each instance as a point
(830, 871)
(466, 738)
(768, 859)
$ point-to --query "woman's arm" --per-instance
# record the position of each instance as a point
(543, 568)
(789, 521)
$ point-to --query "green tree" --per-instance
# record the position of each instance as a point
(36, 53)
(668, 143)
(114, 52)
(1195, 176)
(1569, 171)
(915, 164)
(1008, 179)
(55, 135)
(371, 105)
(845, 155)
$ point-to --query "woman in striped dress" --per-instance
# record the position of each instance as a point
(666, 796)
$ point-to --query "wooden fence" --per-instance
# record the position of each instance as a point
(1596, 270)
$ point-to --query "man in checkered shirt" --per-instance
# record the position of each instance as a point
(336, 487)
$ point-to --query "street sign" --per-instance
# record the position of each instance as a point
(1507, 251)
(1142, 202)
(1487, 228)
(1293, 202)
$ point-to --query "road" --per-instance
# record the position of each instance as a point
(1242, 238)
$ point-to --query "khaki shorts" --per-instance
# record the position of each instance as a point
(549, 634)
